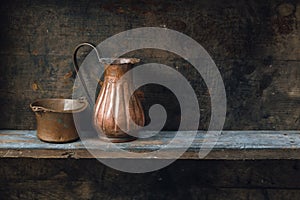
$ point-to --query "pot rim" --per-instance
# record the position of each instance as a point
(37, 108)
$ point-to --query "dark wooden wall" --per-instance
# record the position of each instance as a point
(201, 180)
(255, 45)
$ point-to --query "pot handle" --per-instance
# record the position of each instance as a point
(76, 67)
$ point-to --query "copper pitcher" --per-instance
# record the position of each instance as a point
(114, 106)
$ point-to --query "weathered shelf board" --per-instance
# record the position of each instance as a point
(231, 145)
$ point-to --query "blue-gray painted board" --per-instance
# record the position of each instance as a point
(230, 144)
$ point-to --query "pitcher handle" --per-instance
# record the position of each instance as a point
(76, 67)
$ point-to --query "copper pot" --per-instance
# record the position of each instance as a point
(114, 106)
(55, 119)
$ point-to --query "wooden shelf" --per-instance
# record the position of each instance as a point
(231, 145)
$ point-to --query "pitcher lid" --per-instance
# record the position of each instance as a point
(119, 61)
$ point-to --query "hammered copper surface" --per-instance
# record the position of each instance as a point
(114, 105)
(55, 119)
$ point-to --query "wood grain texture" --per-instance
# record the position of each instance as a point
(254, 44)
(231, 145)
(188, 179)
